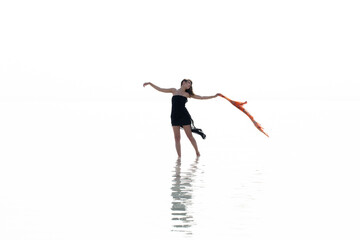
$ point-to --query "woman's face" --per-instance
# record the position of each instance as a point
(188, 84)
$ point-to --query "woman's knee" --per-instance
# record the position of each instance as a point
(177, 138)
(190, 137)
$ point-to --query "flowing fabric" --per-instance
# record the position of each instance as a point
(197, 130)
(239, 105)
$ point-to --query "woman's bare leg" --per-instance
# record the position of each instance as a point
(188, 132)
(177, 140)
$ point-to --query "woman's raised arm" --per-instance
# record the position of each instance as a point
(204, 97)
(165, 90)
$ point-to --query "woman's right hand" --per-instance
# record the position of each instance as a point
(146, 84)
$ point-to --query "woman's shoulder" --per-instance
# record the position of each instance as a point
(177, 92)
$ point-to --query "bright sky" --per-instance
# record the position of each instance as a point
(243, 49)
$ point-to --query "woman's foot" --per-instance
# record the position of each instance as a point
(179, 158)
(197, 155)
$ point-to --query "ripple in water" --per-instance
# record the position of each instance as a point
(229, 197)
(183, 185)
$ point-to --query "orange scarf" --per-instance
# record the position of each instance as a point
(239, 106)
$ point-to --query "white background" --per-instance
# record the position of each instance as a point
(74, 117)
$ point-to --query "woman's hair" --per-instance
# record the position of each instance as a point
(190, 90)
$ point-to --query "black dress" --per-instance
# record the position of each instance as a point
(180, 115)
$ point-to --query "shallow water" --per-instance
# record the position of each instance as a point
(198, 203)
(79, 169)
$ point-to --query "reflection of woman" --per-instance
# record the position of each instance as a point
(182, 193)
(180, 117)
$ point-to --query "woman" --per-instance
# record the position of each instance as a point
(180, 117)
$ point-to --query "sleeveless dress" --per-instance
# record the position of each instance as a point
(180, 115)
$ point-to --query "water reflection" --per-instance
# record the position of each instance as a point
(182, 193)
